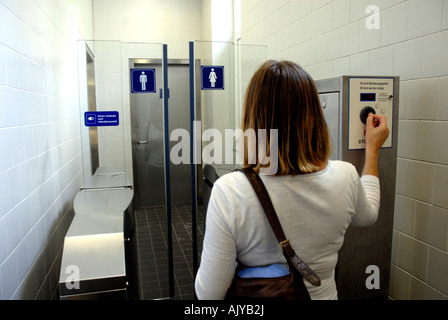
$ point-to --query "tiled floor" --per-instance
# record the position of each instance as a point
(153, 251)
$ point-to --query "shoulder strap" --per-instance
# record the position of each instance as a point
(271, 215)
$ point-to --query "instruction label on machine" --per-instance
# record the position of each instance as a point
(376, 93)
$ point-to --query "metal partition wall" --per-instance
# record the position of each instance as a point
(146, 78)
(219, 75)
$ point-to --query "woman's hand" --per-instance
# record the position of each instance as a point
(376, 134)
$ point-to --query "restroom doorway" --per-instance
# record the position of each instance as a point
(147, 135)
(157, 226)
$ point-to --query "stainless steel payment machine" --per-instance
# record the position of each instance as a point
(364, 260)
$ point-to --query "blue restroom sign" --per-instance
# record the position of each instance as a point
(102, 119)
(212, 77)
(143, 80)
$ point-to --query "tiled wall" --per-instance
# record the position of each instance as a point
(40, 162)
(330, 38)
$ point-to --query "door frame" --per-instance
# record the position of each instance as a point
(158, 62)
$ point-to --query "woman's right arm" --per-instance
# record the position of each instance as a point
(368, 203)
(376, 134)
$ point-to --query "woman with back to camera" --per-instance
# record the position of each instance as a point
(315, 198)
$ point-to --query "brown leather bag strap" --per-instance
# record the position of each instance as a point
(272, 217)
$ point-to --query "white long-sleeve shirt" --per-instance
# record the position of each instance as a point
(314, 210)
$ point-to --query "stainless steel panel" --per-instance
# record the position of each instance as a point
(147, 143)
(108, 178)
(330, 108)
(96, 201)
(369, 245)
(147, 131)
(93, 131)
(179, 117)
(94, 258)
(94, 246)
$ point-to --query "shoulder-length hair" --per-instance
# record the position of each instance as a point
(282, 96)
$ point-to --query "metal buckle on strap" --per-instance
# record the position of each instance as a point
(283, 243)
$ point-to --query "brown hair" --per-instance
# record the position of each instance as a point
(283, 96)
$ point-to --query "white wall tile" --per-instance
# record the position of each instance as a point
(445, 15)
(408, 59)
(321, 70)
(431, 224)
(404, 216)
(408, 139)
(394, 24)
(350, 39)
(320, 22)
(440, 186)
(326, 47)
(369, 38)
(360, 63)
(442, 113)
(419, 290)
(3, 78)
(383, 4)
(298, 29)
(437, 266)
(394, 253)
(382, 61)
(421, 99)
(435, 59)
(9, 277)
(5, 196)
(412, 256)
(341, 13)
(425, 17)
(418, 180)
(399, 283)
(432, 140)
(341, 66)
(7, 159)
(358, 9)
(316, 4)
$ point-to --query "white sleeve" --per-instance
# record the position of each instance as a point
(368, 201)
(218, 258)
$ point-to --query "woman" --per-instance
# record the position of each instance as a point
(315, 199)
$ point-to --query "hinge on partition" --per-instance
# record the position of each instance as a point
(161, 93)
